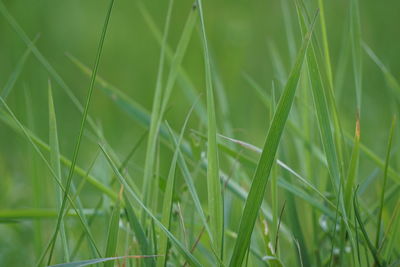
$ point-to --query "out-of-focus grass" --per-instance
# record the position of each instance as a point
(141, 187)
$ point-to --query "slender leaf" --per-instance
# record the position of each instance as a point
(267, 158)
(188, 256)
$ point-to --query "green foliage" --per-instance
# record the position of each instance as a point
(160, 161)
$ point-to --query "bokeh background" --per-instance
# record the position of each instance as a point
(244, 37)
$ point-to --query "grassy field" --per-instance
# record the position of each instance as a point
(199, 133)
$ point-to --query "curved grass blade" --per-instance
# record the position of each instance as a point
(215, 201)
(82, 128)
(267, 158)
(188, 256)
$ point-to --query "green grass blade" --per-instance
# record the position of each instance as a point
(168, 195)
(64, 160)
(321, 108)
(364, 231)
(46, 64)
(328, 66)
(148, 179)
(107, 261)
(82, 128)
(188, 256)
(53, 174)
(267, 158)
(17, 72)
(138, 230)
(394, 228)
(215, 201)
(183, 78)
(385, 175)
(355, 32)
(112, 237)
(55, 163)
(389, 77)
(35, 214)
(353, 170)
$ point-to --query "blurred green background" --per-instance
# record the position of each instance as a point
(241, 34)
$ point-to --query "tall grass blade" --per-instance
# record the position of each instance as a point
(215, 201)
(55, 163)
(267, 158)
(183, 78)
(168, 196)
(148, 179)
(355, 32)
(82, 128)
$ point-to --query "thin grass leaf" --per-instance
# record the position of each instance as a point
(267, 158)
(148, 179)
(8, 120)
(215, 201)
(353, 170)
(183, 78)
(82, 128)
(112, 236)
(182, 250)
(17, 71)
(364, 232)
(54, 175)
(191, 187)
(393, 229)
(36, 214)
(328, 66)
(38, 197)
(385, 174)
(137, 228)
(105, 260)
(55, 164)
(174, 71)
(355, 32)
(389, 77)
(42, 59)
(168, 195)
(319, 82)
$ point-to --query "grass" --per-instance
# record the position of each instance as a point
(159, 161)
